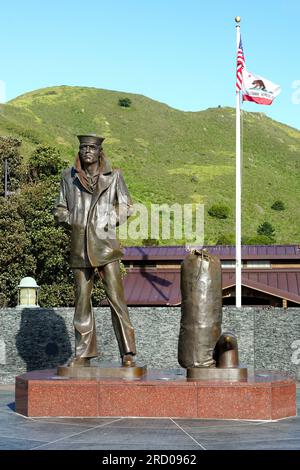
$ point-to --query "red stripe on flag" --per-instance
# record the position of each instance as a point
(258, 100)
(239, 67)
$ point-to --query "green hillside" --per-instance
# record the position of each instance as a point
(170, 156)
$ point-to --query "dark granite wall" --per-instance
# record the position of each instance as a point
(43, 338)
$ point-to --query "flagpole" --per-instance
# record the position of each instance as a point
(238, 248)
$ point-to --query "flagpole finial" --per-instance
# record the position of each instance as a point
(237, 19)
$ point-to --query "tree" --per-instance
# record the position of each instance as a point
(278, 205)
(219, 211)
(125, 102)
(45, 162)
(49, 244)
(16, 260)
(266, 229)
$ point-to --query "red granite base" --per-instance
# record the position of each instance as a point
(264, 395)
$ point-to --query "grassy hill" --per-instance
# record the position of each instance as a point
(170, 156)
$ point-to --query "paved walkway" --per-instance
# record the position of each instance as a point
(19, 432)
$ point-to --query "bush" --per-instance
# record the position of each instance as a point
(16, 259)
(45, 162)
(219, 211)
(51, 92)
(266, 229)
(125, 102)
(278, 205)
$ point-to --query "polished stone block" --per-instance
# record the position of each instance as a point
(265, 395)
(151, 400)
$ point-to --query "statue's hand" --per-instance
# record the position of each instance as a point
(62, 217)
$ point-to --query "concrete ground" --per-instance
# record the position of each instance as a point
(18, 432)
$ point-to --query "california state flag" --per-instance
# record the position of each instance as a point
(258, 89)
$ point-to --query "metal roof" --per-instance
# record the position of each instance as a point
(225, 252)
(162, 286)
(152, 287)
(283, 283)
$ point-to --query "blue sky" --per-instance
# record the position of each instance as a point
(179, 52)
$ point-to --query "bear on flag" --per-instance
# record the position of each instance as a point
(254, 88)
(258, 89)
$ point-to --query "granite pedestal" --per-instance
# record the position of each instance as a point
(265, 395)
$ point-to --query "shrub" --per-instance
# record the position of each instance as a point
(278, 205)
(266, 229)
(16, 260)
(45, 162)
(125, 102)
(50, 92)
(219, 211)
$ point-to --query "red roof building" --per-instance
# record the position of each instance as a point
(270, 274)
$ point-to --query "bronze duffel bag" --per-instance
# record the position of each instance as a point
(201, 309)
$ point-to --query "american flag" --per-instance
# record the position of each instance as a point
(239, 67)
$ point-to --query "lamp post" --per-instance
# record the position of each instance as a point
(28, 293)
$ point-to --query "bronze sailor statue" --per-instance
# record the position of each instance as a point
(92, 202)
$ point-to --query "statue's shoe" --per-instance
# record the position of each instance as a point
(79, 362)
(128, 360)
